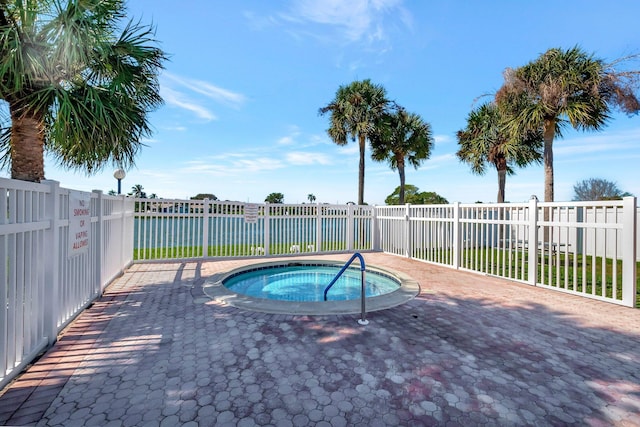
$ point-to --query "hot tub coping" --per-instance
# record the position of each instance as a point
(213, 287)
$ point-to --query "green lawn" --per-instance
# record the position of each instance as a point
(229, 250)
(577, 273)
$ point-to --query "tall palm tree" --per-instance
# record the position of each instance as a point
(311, 198)
(485, 141)
(355, 112)
(402, 138)
(77, 87)
(566, 87)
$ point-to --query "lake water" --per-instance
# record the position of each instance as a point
(155, 232)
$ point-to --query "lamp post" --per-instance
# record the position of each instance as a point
(119, 174)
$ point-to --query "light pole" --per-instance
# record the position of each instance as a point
(119, 174)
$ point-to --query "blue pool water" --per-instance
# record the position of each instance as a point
(307, 283)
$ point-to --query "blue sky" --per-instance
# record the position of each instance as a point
(245, 81)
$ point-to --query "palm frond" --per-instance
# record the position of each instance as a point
(5, 136)
(355, 110)
(401, 136)
(92, 83)
(491, 138)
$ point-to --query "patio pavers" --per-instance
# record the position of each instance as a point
(469, 350)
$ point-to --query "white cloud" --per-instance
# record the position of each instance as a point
(232, 165)
(593, 143)
(307, 158)
(259, 21)
(442, 139)
(175, 128)
(357, 20)
(437, 161)
(320, 140)
(290, 139)
(258, 165)
(180, 100)
(596, 147)
(352, 148)
(207, 89)
(286, 140)
(201, 168)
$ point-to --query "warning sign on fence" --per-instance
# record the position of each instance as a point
(79, 222)
(251, 213)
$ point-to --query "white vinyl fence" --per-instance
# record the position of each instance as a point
(59, 249)
(584, 248)
(170, 229)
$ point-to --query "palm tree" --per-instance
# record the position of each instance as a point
(566, 87)
(355, 112)
(402, 138)
(75, 88)
(138, 192)
(485, 141)
(311, 198)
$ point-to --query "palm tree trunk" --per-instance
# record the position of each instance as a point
(500, 161)
(27, 144)
(402, 179)
(361, 142)
(549, 133)
(502, 179)
(501, 166)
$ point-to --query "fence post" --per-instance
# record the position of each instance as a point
(52, 262)
(318, 228)
(407, 230)
(629, 233)
(350, 227)
(123, 231)
(532, 245)
(267, 228)
(457, 247)
(375, 229)
(205, 228)
(98, 244)
(579, 230)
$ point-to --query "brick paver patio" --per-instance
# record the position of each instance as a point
(469, 350)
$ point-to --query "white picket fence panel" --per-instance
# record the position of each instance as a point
(43, 285)
(173, 229)
(584, 248)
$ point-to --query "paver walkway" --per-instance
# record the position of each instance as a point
(469, 350)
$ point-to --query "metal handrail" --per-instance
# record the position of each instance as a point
(363, 318)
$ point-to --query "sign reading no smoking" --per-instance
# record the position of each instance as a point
(251, 213)
(79, 222)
